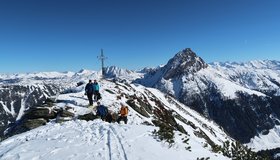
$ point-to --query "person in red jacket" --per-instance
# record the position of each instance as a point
(123, 114)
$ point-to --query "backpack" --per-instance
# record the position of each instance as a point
(109, 118)
(124, 111)
(98, 96)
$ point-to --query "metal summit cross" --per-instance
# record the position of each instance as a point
(102, 58)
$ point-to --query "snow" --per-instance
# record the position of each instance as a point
(62, 79)
(78, 139)
(269, 141)
(123, 74)
(6, 109)
(37, 74)
(100, 140)
(219, 137)
(95, 140)
(254, 75)
(227, 87)
(200, 81)
(21, 111)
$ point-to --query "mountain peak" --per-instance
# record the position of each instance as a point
(186, 55)
(185, 52)
(185, 61)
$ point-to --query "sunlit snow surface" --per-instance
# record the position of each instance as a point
(81, 140)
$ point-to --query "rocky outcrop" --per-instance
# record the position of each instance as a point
(34, 123)
(40, 112)
(14, 99)
(41, 115)
(88, 117)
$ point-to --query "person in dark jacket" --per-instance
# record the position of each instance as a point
(101, 111)
(96, 92)
(89, 90)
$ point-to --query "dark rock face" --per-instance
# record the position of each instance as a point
(18, 98)
(141, 108)
(65, 113)
(35, 113)
(88, 117)
(34, 123)
(243, 117)
(185, 61)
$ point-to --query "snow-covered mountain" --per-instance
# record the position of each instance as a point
(241, 97)
(122, 74)
(149, 109)
(159, 127)
(256, 75)
(19, 92)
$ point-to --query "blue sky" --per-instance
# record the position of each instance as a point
(67, 35)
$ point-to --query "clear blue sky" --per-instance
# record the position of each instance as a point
(67, 35)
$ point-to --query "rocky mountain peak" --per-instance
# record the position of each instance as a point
(114, 71)
(184, 62)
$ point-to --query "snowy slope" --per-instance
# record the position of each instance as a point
(264, 142)
(255, 75)
(96, 139)
(112, 90)
(227, 87)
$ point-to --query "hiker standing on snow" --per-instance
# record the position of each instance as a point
(96, 91)
(89, 90)
(123, 114)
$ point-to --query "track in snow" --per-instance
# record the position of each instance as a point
(114, 148)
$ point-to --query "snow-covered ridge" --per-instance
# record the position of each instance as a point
(47, 77)
(264, 142)
(124, 74)
(255, 64)
(101, 140)
(37, 74)
(255, 75)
